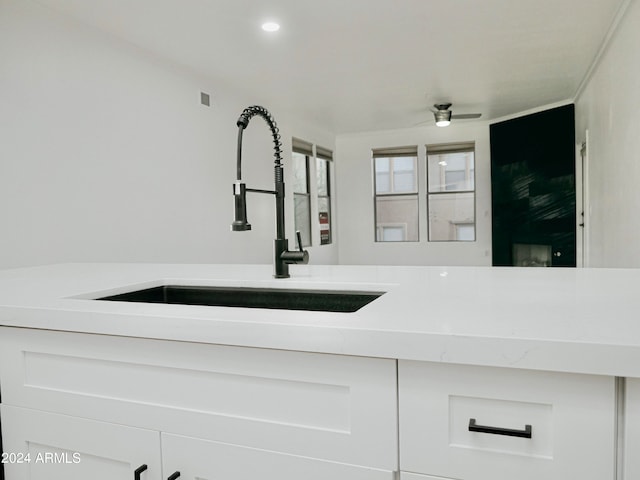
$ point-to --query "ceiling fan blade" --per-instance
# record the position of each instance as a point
(466, 115)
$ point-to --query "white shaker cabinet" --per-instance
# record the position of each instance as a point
(48, 446)
(70, 448)
(207, 408)
(238, 413)
(483, 423)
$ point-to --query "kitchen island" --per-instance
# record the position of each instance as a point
(390, 388)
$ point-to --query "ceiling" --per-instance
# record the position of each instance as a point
(362, 65)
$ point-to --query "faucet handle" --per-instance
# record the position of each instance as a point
(300, 256)
(299, 241)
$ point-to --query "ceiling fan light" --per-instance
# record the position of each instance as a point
(443, 118)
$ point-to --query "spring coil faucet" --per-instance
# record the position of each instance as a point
(282, 255)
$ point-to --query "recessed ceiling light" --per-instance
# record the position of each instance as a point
(270, 27)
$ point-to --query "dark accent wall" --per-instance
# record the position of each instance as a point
(533, 185)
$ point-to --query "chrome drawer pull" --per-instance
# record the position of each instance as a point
(473, 427)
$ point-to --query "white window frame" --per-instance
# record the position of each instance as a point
(448, 149)
(301, 147)
(325, 155)
(391, 154)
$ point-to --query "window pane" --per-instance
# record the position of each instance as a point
(404, 182)
(456, 161)
(466, 232)
(302, 218)
(403, 164)
(324, 217)
(454, 179)
(396, 174)
(397, 218)
(452, 217)
(404, 174)
(300, 184)
(322, 172)
(383, 176)
(392, 234)
(451, 172)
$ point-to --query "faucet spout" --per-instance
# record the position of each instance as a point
(282, 256)
(240, 223)
(243, 122)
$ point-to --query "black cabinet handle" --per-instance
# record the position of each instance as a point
(526, 433)
(173, 476)
(138, 471)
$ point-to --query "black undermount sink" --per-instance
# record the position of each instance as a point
(274, 298)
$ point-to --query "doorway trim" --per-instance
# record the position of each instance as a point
(583, 207)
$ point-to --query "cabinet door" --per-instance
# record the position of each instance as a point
(197, 459)
(46, 446)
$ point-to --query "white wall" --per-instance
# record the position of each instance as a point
(107, 155)
(355, 189)
(609, 108)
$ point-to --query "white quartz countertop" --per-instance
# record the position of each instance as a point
(571, 320)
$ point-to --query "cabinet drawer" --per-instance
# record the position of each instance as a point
(476, 423)
(327, 406)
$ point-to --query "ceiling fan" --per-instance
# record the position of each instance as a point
(443, 115)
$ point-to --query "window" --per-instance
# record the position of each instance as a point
(391, 233)
(323, 174)
(451, 192)
(396, 194)
(301, 197)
